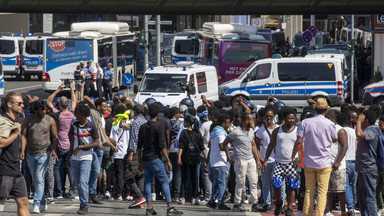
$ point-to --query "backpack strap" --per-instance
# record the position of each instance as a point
(373, 152)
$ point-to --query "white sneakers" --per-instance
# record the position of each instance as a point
(36, 209)
(328, 214)
(380, 212)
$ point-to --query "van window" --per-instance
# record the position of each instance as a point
(306, 71)
(7, 46)
(188, 46)
(201, 82)
(34, 47)
(261, 71)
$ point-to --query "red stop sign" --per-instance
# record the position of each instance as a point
(57, 45)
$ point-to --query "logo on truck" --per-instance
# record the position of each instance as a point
(57, 45)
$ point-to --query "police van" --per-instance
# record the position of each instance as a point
(11, 52)
(32, 60)
(292, 80)
(169, 85)
(374, 94)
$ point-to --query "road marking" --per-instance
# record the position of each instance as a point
(28, 87)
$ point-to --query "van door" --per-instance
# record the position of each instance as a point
(290, 83)
(195, 95)
(259, 83)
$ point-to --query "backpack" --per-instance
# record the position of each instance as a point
(379, 154)
(193, 151)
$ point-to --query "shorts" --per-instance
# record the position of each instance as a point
(107, 164)
(14, 186)
(285, 171)
(338, 181)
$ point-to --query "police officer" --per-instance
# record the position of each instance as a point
(88, 73)
(107, 80)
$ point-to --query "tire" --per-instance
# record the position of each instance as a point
(40, 77)
(27, 77)
(234, 100)
(380, 102)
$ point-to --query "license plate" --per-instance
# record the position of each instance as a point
(32, 66)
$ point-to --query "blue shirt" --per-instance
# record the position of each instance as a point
(87, 71)
(108, 73)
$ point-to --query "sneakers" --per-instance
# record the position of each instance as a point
(224, 207)
(256, 208)
(137, 202)
(59, 197)
(278, 208)
(50, 200)
(30, 201)
(328, 214)
(83, 210)
(95, 200)
(172, 211)
(353, 212)
(195, 201)
(153, 196)
(289, 212)
(36, 209)
(239, 208)
(203, 202)
(120, 198)
(211, 204)
(107, 195)
(300, 213)
(380, 212)
(150, 212)
(43, 208)
(181, 201)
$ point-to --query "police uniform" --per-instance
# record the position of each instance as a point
(89, 87)
(108, 76)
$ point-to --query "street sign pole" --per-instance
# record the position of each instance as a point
(158, 38)
(352, 59)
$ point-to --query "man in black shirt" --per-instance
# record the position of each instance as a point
(13, 182)
(151, 144)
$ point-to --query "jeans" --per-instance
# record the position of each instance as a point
(99, 84)
(246, 168)
(380, 190)
(95, 169)
(156, 168)
(266, 179)
(205, 180)
(176, 180)
(321, 177)
(80, 170)
(367, 191)
(351, 183)
(38, 167)
(219, 184)
(60, 170)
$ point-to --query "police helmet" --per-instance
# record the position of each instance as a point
(279, 104)
(149, 101)
(187, 102)
(249, 104)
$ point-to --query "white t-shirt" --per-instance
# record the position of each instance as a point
(204, 130)
(335, 150)
(217, 157)
(122, 139)
(265, 139)
(284, 145)
(351, 152)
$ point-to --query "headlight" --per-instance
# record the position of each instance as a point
(368, 89)
(223, 89)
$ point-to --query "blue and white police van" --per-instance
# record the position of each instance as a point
(32, 61)
(292, 80)
(11, 53)
(185, 48)
(374, 94)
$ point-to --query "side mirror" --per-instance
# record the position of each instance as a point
(135, 89)
(162, 51)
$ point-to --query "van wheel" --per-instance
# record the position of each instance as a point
(234, 100)
(40, 77)
(380, 102)
(27, 77)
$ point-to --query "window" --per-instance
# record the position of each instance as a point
(34, 47)
(306, 72)
(188, 46)
(260, 72)
(7, 47)
(162, 83)
(201, 82)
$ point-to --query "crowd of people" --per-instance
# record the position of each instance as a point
(90, 150)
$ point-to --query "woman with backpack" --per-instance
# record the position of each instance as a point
(191, 145)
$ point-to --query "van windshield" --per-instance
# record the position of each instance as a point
(34, 47)
(162, 83)
(7, 46)
(187, 46)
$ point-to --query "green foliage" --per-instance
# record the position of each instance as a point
(377, 76)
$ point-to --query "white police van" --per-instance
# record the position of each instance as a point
(170, 85)
(374, 94)
(11, 49)
(292, 80)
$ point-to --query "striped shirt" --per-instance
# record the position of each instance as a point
(83, 134)
(134, 132)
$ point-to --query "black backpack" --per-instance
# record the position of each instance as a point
(193, 151)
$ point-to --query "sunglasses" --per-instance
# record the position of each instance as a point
(18, 103)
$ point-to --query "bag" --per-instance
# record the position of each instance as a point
(379, 154)
(193, 152)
